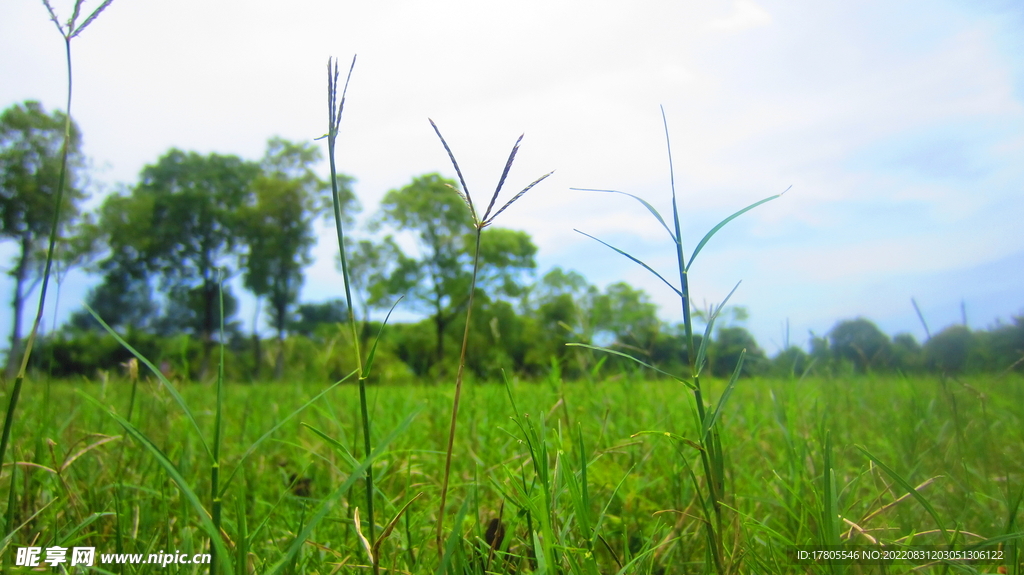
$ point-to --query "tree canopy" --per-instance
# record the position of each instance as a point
(31, 144)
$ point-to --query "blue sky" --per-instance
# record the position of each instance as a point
(899, 126)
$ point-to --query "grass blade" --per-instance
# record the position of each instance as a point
(722, 223)
(277, 426)
(453, 540)
(710, 422)
(674, 436)
(629, 357)
(646, 204)
(328, 503)
(205, 520)
(373, 348)
(160, 377)
(909, 489)
(702, 350)
(647, 267)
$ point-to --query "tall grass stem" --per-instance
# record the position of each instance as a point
(335, 109)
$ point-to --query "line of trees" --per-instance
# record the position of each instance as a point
(165, 246)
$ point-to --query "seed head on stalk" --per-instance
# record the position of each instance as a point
(479, 223)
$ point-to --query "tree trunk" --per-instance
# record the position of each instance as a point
(207, 335)
(18, 302)
(280, 309)
(256, 353)
(439, 321)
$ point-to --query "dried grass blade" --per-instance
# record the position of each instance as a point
(391, 526)
(362, 538)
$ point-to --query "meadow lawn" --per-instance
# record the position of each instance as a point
(573, 484)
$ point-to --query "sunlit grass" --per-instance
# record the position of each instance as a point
(639, 512)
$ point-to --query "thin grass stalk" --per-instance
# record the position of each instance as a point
(707, 454)
(12, 404)
(458, 393)
(215, 495)
(334, 120)
(479, 223)
(710, 445)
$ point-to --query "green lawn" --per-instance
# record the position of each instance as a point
(636, 512)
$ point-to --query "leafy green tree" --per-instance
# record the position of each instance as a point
(31, 143)
(1007, 343)
(949, 350)
(729, 343)
(561, 303)
(122, 301)
(309, 316)
(278, 229)
(378, 271)
(907, 354)
(627, 314)
(438, 280)
(860, 342)
(791, 362)
(181, 222)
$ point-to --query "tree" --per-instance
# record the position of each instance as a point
(438, 280)
(628, 314)
(309, 316)
(729, 343)
(377, 272)
(31, 143)
(860, 342)
(791, 362)
(181, 222)
(561, 302)
(278, 229)
(121, 300)
(907, 354)
(950, 349)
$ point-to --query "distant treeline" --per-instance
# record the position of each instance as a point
(531, 343)
(163, 247)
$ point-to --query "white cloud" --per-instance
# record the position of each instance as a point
(745, 14)
(838, 100)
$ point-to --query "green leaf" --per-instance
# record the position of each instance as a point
(674, 436)
(328, 502)
(204, 516)
(909, 488)
(642, 201)
(453, 540)
(373, 348)
(337, 445)
(710, 422)
(160, 376)
(277, 426)
(647, 267)
(627, 356)
(721, 224)
(703, 349)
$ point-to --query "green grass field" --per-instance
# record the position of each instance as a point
(576, 485)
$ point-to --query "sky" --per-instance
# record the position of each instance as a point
(898, 128)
